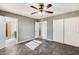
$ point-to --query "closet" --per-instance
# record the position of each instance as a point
(58, 30)
(71, 31)
(66, 30)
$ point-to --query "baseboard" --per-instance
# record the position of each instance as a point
(49, 39)
(32, 39)
(25, 41)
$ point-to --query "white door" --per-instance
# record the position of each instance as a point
(36, 29)
(2, 32)
(58, 30)
(44, 29)
(72, 31)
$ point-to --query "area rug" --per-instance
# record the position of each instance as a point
(33, 44)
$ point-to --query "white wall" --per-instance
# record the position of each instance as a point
(2, 32)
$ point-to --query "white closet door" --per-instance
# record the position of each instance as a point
(36, 29)
(44, 29)
(2, 32)
(58, 30)
(72, 31)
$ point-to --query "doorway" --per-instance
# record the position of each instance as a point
(11, 31)
(41, 29)
(44, 29)
(37, 25)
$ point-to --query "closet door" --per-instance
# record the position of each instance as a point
(36, 29)
(71, 31)
(44, 29)
(2, 32)
(58, 30)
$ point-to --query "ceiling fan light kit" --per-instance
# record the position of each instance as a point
(42, 9)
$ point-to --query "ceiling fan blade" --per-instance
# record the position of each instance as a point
(49, 11)
(34, 13)
(34, 7)
(49, 5)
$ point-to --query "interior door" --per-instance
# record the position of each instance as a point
(72, 31)
(36, 29)
(44, 29)
(58, 30)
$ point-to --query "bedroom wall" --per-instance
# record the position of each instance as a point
(26, 26)
(2, 32)
(56, 17)
(49, 28)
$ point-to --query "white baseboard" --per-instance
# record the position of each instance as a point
(25, 41)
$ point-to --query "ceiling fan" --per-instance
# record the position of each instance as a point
(42, 9)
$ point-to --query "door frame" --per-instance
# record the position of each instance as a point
(37, 25)
(44, 23)
(15, 19)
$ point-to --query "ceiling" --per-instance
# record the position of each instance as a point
(25, 9)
